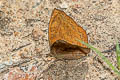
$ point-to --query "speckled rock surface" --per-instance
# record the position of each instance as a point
(67, 70)
(24, 39)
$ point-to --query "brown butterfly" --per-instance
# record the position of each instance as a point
(63, 32)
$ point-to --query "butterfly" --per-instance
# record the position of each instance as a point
(63, 32)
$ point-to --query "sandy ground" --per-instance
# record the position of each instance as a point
(24, 39)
